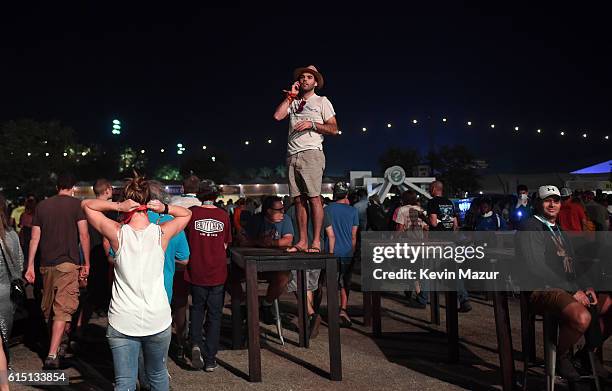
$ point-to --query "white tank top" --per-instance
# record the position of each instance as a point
(139, 304)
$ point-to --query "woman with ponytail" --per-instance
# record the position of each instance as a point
(139, 312)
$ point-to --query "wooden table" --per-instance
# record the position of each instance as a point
(372, 317)
(254, 260)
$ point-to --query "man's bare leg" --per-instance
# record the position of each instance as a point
(277, 286)
(58, 327)
(301, 216)
(317, 221)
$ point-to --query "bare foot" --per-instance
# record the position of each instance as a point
(297, 248)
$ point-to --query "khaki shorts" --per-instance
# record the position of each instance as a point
(550, 301)
(60, 291)
(306, 172)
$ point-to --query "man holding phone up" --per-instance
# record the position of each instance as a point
(310, 118)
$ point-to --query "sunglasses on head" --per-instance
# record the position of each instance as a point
(301, 106)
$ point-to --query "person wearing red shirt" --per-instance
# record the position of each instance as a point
(572, 216)
(208, 234)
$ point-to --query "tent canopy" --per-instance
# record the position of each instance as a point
(601, 168)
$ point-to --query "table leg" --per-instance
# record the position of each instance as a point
(253, 321)
(302, 309)
(376, 317)
(434, 307)
(504, 339)
(235, 294)
(367, 309)
(452, 326)
(333, 321)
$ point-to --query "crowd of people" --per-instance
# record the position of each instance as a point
(143, 259)
(140, 251)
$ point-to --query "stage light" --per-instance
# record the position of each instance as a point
(539, 130)
(65, 154)
(607, 137)
(492, 126)
(142, 151)
(47, 154)
(562, 133)
(269, 141)
(469, 123)
(516, 128)
(246, 142)
(414, 121)
(203, 146)
(364, 129)
(179, 145)
(116, 122)
(213, 158)
(339, 132)
(388, 125)
(584, 135)
(162, 150)
(443, 119)
(29, 154)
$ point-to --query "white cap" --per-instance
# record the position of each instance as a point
(547, 191)
(565, 192)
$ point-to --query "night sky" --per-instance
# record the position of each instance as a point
(214, 76)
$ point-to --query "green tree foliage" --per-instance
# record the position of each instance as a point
(168, 172)
(454, 166)
(32, 154)
(405, 158)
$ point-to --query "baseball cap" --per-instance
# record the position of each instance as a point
(565, 192)
(547, 191)
(207, 188)
(341, 188)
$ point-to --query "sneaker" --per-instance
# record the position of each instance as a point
(52, 363)
(267, 314)
(412, 303)
(196, 358)
(465, 306)
(566, 369)
(314, 322)
(180, 352)
(211, 366)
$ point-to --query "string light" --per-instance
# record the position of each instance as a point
(162, 150)
(213, 158)
(562, 133)
(469, 123)
(47, 154)
(539, 131)
(414, 121)
(339, 132)
(269, 141)
(65, 154)
(364, 129)
(492, 126)
(203, 146)
(443, 119)
(516, 128)
(29, 154)
(246, 142)
(142, 151)
(607, 137)
(83, 153)
(388, 125)
(584, 135)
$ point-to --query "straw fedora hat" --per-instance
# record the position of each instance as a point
(309, 69)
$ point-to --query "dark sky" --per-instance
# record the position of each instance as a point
(213, 76)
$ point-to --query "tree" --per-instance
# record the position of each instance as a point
(405, 158)
(454, 166)
(202, 165)
(280, 171)
(33, 153)
(168, 172)
(265, 172)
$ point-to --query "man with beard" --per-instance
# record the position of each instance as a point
(311, 117)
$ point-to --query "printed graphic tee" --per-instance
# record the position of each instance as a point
(445, 211)
(208, 232)
(316, 108)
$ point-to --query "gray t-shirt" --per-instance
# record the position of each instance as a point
(316, 108)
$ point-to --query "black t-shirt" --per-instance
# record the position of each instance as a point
(444, 209)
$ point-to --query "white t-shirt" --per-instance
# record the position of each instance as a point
(316, 108)
(185, 200)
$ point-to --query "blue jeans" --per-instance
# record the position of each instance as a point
(125, 350)
(207, 299)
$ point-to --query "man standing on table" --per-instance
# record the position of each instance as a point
(310, 118)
